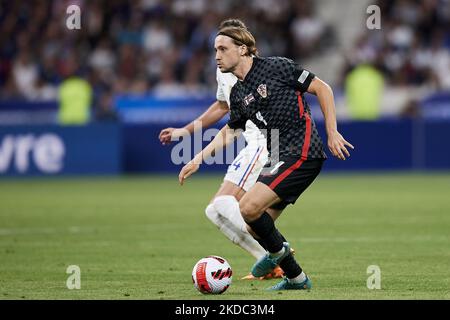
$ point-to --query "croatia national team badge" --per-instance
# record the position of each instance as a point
(262, 90)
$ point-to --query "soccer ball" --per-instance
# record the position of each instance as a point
(212, 275)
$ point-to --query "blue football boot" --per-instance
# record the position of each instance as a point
(286, 285)
(266, 264)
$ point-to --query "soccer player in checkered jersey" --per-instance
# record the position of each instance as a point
(223, 209)
(269, 92)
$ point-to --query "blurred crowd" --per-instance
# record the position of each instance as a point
(166, 46)
(413, 46)
(123, 47)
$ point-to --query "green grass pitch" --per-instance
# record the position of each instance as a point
(139, 237)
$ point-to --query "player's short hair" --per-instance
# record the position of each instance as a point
(241, 37)
(232, 23)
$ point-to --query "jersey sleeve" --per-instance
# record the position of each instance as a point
(296, 76)
(220, 95)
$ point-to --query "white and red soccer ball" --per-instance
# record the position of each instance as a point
(212, 275)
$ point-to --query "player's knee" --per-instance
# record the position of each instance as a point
(212, 214)
(249, 210)
(221, 203)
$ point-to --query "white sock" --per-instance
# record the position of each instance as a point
(228, 207)
(235, 234)
(298, 279)
(213, 215)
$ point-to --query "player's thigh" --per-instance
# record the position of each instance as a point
(246, 167)
(228, 188)
(243, 172)
(256, 201)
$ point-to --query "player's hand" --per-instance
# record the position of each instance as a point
(189, 169)
(167, 135)
(337, 145)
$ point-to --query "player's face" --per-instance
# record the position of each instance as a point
(227, 54)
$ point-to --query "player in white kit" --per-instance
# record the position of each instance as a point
(241, 174)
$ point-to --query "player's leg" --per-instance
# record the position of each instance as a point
(242, 239)
(277, 272)
(253, 208)
(226, 200)
(244, 172)
(240, 177)
(230, 224)
(226, 203)
(275, 214)
(280, 189)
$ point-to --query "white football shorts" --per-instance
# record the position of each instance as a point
(247, 166)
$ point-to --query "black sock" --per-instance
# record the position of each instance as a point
(282, 237)
(290, 267)
(265, 229)
(264, 245)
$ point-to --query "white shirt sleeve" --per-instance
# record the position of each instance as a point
(220, 95)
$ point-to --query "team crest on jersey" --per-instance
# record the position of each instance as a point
(249, 99)
(262, 90)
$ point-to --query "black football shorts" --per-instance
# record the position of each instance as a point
(290, 177)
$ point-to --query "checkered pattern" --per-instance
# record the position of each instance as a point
(283, 80)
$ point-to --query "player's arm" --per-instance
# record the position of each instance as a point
(336, 143)
(225, 136)
(213, 114)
